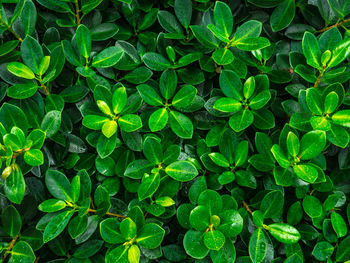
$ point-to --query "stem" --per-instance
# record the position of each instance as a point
(46, 90)
(319, 78)
(247, 207)
(108, 213)
(9, 248)
(77, 12)
(335, 25)
(9, 28)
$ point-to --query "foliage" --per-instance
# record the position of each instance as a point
(174, 131)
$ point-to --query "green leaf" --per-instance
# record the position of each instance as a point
(212, 200)
(71, 54)
(109, 128)
(241, 120)
(58, 185)
(223, 18)
(51, 123)
(312, 206)
(59, 6)
(183, 11)
(182, 171)
(13, 142)
(94, 122)
(83, 39)
(128, 228)
(241, 153)
(89, 5)
(252, 43)
(22, 253)
(214, 239)
(149, 95)
(331, 102)
(57, 225)
(323, 250)
(119, 100)
(150, 236)
(293, 144)
(118, 254)
(158, 119)
(200, 218)
(313, 100)
(306, 172)
(137, 168)
(194, 245)
(15, 185)
(340, 52)
(231, 85)
(181, 125)
(108, 57)
(283, 15)
(22, 91)
(139, 75)
(227, 105)
(184, 97)
(155, 61)
(148, 186)
(312, 144)
(280, 156)
(20, 70)
(34, 157)
(8, 47)
(223, 56)
(110, 231)
(249, 87)
(204, 36)
(343, 251)
(342, 118)
(249, 29)
(311, 50)
(231, 224)
(130, 122)
(339, 224)
(284, 233)
(52, 205)
(152, 149)
(260, 100)
(257, 246)
(219, 159)
(31, 53)
(11, 221)
(272, 204)
(134, 254)
(168, 21)
(165, 201)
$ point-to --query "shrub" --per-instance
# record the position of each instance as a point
(174, 131)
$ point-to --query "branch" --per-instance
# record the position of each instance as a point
(9, 248)
(46, 90)
(9, 28)
(247, 207)
(335, 25)
(77, 12)
(108, 213)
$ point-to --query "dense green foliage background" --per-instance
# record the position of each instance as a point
(174, 131)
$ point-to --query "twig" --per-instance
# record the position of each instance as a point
(9, 248)
(247, 207)
(108, 213)
(46, 90)
(9, 28)
(77, 12)
(335, 25)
